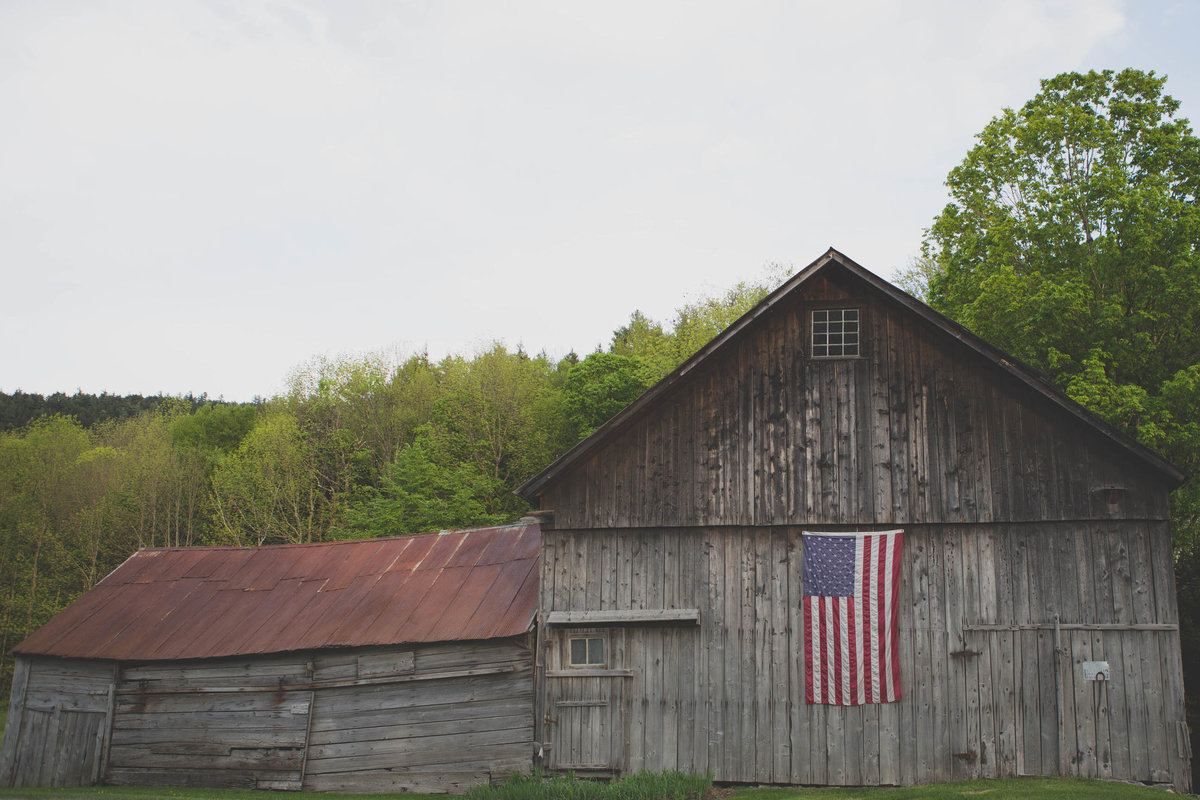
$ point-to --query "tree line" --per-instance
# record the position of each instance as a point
(20, 408)
(356, 447)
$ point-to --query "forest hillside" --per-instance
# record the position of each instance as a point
(357, 447)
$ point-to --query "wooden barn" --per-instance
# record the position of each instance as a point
(1034, 620)
(401, 664)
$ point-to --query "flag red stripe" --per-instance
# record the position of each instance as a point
(881, 627)
(839, 647)
(808, 650)
(895, 617)
(868, 667)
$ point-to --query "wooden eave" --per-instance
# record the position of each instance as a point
(1172, 475)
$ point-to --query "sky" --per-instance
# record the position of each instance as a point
(204, 197)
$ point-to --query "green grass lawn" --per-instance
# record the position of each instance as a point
(1024, 788)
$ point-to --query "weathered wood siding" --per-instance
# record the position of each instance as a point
(917, 430)
(441, 718)
(429, 718)
(219, 723)
(979, 667)
(57, 724)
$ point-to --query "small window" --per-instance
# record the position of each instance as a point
(587, 652)
(835, 333)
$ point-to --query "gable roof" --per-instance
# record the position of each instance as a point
(170, 603)
(832, 259)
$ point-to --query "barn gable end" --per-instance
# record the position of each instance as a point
(923, 426)
(1036, 540)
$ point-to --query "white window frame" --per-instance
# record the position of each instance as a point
(824, 330)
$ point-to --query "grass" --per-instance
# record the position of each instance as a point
(646, 786)
(1010, 789)
(638, 786)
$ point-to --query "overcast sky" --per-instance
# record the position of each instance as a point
(199, 197)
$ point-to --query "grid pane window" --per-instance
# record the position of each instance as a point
(835, 332)
(587, 652)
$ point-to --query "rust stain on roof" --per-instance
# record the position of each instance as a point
(165, 604)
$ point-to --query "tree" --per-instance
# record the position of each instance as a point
(600, 386)
(1072, 240)
(266, 492)
(498, 413)
(491, 422)
(698, 322)
(695, 325)
(420, 495)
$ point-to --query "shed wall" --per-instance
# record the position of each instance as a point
(979, 667)
(430, 718)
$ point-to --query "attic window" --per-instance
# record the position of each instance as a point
(835, 333)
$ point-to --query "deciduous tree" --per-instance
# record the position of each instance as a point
(1072, 240)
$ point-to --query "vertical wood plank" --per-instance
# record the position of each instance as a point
(14, 722)
(782, 657)
(801, 727)
(763, 754)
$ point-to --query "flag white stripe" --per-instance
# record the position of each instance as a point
(830, 662)
(860, 694)
(874, 632)
(817, 644)
(890, 545)
(844, 637)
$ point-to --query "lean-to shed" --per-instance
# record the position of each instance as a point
(400, 664)
(1036, 627)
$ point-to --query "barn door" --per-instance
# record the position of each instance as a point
(584, 709)
(58, 723)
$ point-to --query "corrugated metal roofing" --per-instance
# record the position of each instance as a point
(165, 604)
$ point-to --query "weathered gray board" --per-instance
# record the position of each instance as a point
(57, 722)
(467, 717)
(428, 718)
(982, 676)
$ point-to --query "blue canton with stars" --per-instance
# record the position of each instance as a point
(829, 566)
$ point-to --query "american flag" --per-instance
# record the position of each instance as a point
(851, 603)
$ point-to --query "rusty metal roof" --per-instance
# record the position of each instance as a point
(171, 603)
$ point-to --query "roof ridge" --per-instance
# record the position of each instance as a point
(291, 545)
